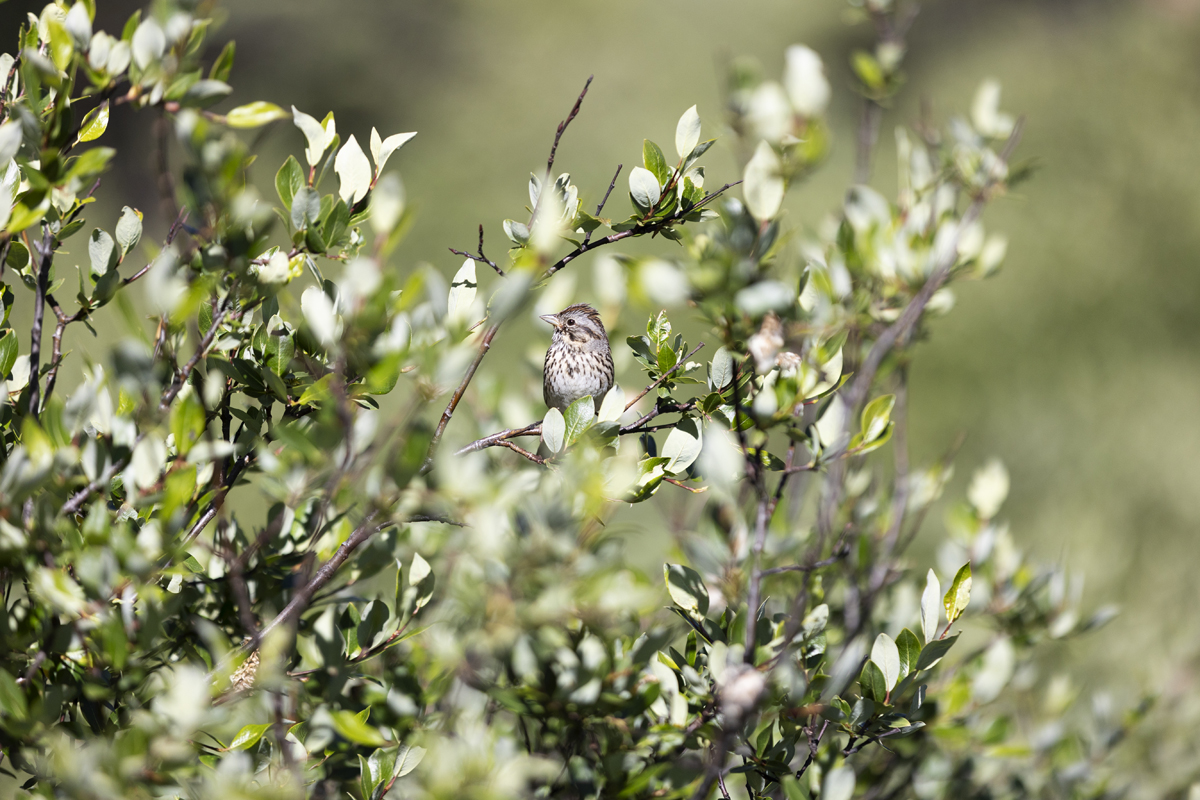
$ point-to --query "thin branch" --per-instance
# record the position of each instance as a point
(523, 452)
(201, 349)
(825, 562)
(647, 228)
(868, 134)
(39, 311)
(682, 362)
(685, 487)
(365, 530)
(8, 80)
(76, 502)
(485, 344)
(532, 429)
(562, 127)
(479, 256)
(600, 207)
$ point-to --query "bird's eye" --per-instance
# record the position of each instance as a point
(570, 321)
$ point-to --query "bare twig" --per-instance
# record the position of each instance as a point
(647, 228)
(599, 208)
(46, 253)
(825, 562)
(8, 80)
(562, 127)
(201, 349)
(479, 256)
(365, 530)
(522, 452)
(685, 487)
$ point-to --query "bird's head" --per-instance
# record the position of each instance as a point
(578, 325)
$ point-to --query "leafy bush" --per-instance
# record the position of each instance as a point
(241, 556)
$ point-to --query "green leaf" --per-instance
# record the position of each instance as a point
(651, 472)
(655, 161)
(930, 608)
(873, 682)
(762, 183)
(682, 446)
(278, 345)
(12, 699)
(687, 132)
(224, 63)
(876, 417)
(933, 652)
(868, 70)
(288, 181)
(306, 208)
(687, 589)
(92, 162)
(420, 577)
(644, 188)
(517, 232)
(248, 736)
(187, 422)
(407, 759)
(254, 115)
(8, 352)
(102, 252)
(792, 789)
(95, 123)
(579, 418)
(129, 229)
(554, 430)
(839, 783)
(886, 656)
(909, 648)
(382, 149)
(355, 729)
(353, 171)
(720, 371)
(959, 595)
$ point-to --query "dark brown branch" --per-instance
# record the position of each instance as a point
(825, 562)
(201, 349)
(8, 80)
(522, 452)
(479, 256)
(46, 252)
(365, 530)
(77, 500)
(603, 200)
(562, 126)
(647, 228)
(485, 344)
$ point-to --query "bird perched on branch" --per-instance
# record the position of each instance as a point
(579, 361)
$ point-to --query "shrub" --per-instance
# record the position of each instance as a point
(244, 555)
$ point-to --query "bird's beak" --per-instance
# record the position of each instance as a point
(552, 319)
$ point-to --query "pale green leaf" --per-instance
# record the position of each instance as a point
(254, 115)
(959, 595)
(687, 132)
(554, 430)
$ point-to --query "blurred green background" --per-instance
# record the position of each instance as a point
(1078, 365)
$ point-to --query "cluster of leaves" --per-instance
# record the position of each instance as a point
(218, 552)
